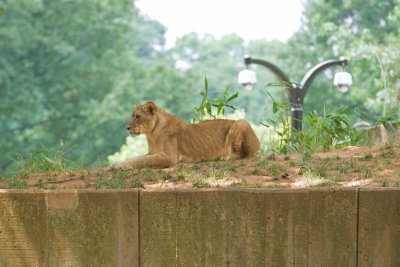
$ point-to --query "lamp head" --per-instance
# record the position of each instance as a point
(343, 81)
(247, 78)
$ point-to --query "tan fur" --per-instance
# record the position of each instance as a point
(171, 140)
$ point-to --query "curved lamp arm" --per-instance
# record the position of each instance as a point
(276, 70)
(309, 77)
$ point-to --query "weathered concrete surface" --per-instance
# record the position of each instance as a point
(69, 228)
(219, 227)
(248, 228)
(379, 227)
(23, 228)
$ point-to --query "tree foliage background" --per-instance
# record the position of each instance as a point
(71, 70)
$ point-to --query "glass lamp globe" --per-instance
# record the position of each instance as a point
(343, 81)
(247, 78)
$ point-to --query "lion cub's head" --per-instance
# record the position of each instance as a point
(143, 119)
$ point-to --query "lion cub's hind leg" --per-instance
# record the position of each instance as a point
(240, 141)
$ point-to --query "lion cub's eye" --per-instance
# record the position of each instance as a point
(137, 117)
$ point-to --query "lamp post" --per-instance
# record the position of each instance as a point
(296, 92)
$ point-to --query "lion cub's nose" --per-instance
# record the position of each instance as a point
(128, 127)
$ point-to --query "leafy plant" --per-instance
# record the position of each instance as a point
(54, 159)
(280, 124)
(18, 182)
(218, 103)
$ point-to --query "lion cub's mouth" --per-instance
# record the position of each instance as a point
(134, 133)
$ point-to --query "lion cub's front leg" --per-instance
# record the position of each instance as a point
(148, 161)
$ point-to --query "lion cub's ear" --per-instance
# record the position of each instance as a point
(136, 106)
(150, 107)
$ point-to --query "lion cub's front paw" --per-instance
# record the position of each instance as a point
(114, 166)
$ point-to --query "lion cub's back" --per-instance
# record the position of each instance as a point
(203, 141)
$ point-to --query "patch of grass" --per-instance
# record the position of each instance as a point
(244, 181)
(196, 167)
(307, 156)
(320, 171)
(198, 180)
(312, 179)
(367, 157)
(41, 184)
(180, 177)
(387, 161)
(150, 175)
(137, 183)
(275, 169)
(328, 159)
(345, 167)
(271, 156)
(258, 185)
(215, 165)
(379, 166)
(110, 182)
(232, 168)
(364, 170)
(263, 163)
(201, 183)
(388, 153)
(291, 163)
(46, 160)
(18, 182)
(216, 175)
(256, 171)
(166, 177)
(385, 184)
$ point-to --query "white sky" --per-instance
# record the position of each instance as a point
(250, 19)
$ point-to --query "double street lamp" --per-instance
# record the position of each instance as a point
(296, 92)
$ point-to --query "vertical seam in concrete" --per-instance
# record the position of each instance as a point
(39, 253)
(176, 227)
(309, 228)
(47, 253)
(357, 225)
(264, 203)
(138, 228)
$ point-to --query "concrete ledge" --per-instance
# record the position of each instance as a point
(307, 227)
(379, 227)
(248, 228)
(69, 228)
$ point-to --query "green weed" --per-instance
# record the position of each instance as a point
(256, 171)
(201, 183)
(137, 183)
(321, 171)
(258, 185)
(368, 156)
(18, 182)
(44, 160)
(385, 184)
(41, 184)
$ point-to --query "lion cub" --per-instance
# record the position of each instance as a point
(171, 140)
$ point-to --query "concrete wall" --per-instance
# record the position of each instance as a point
(343, 227)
